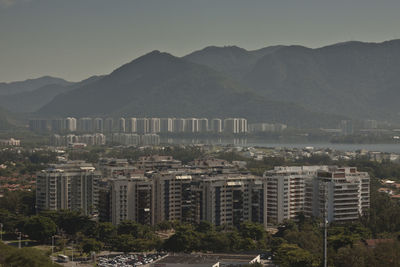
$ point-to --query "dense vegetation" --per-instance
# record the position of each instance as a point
(10, 256)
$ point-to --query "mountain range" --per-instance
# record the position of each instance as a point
(300, 86)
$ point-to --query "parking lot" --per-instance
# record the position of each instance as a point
(128, 260)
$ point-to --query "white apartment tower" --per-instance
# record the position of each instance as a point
(142, 126)
(166, 125)
(70, 124)
(108, 125)
(341, 194)
(132, 199)
(203, 125)
(131, 125)
(216, 125)
(69, 186)
(154, 125)
(121, 125)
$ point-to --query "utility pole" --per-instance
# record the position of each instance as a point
(1, 232)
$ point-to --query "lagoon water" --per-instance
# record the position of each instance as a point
(248, 142)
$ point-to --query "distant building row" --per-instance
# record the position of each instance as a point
(10, 142)
(159, 188)
(100, 139)
(141, 125)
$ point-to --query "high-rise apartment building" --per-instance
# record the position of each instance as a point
(121, 125)
(132, 199)
(216, 125)
(85, 125)
(108, 125)
(154, 125)
(143, 126)
(179, 125)
(131, 125)
(192, 125)
(235, 125)
(173, 197)
(307, 189)
(287, 194)
(57, 125)
(229, 199)
(70, 124)
(341, 194)
(39, 125)
(98, 125)
(203, 125)
(166, 125)
(69, 186)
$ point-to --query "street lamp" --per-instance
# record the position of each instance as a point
(1, 232)
(72, 245)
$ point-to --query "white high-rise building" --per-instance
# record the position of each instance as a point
(229, 199)
(203, 125)
(108, 125)
(122, 125)
(231, 125)
(131, 125)
(154, 125)
(242, 125)
(216, 125)
(70, 124)
(142, 126)
(166, 125)
(85, 125)
(132, 199)
(343, 193)
(179, 125)
(98, 125)
(192, 125)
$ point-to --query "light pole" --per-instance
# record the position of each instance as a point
(72, 258)
(52, 247)
(1, 232)
(19, 239)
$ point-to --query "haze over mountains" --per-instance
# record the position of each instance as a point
(291, 84)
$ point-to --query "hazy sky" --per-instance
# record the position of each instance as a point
(75, 39)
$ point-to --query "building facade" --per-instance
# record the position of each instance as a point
(69, 186)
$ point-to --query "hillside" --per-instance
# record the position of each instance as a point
(30, 85)
(31, 101)
(231, 60)
(354, 79)
(159, 84)
(5, 120)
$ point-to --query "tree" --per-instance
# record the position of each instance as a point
(290, 255)
(124, 243)
(10, 256)
(204, 227)
(252, 230)
(107, 231)
(89, 244)
(130, 228)
(357, 255)
(39, 228)
(182, 241)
